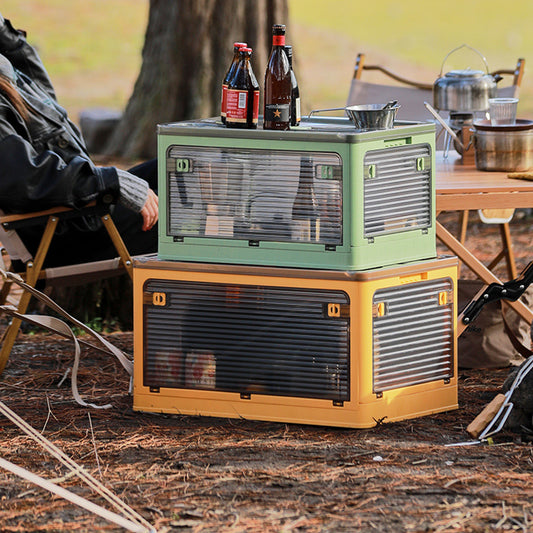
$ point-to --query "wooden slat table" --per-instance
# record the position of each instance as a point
(461, 187)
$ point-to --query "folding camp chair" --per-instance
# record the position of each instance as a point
(411, 96)
(13, 247)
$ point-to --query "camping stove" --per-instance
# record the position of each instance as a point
(460, 123)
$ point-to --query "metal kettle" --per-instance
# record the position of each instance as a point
(464, 91)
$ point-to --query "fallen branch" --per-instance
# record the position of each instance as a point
(71, 497)
(74, 467)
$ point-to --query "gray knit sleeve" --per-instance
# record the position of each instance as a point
(133, 191)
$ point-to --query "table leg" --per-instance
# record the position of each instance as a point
(463, 227)
(478, 268)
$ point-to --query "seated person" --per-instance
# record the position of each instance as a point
(44, 163)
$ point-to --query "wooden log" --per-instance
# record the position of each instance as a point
(476, 427)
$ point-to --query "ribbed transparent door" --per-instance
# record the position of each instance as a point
(413, 334)
(397, 190)
(247, 339)
(257, 195)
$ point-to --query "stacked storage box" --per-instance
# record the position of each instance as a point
(297, 277)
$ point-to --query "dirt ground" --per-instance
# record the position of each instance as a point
(211, 475)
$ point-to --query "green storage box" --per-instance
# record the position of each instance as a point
(322, 195)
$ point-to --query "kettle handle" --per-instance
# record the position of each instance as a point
(464, 46)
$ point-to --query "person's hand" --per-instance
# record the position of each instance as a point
(150, 211)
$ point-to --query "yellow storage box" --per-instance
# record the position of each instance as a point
(337, 348)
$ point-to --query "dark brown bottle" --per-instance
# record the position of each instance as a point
(278, 87)
(242, 101)
(304, 209)
(295, 92)
(229, 74)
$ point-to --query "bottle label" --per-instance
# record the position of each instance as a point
(277, 112)
(237, 105)
(298, 116)
(223, 103)
(256, 106)
(278, 40)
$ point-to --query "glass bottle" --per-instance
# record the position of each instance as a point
(295, 92)
(229, 74)
(278, 87)
(242, 101)
(304, 208)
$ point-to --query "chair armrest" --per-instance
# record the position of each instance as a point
(360, 65)
(397, 77)
(20, 220)
(517, 72)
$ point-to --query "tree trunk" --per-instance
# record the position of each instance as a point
(188, 47)
(187, 50)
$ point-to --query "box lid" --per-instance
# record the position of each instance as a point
(329, 129)
(151, 261)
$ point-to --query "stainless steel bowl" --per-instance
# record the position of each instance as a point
(372, 116)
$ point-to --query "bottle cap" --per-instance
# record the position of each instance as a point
(239, 45)
(278, 29)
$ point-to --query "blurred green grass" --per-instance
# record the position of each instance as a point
(425, 31)
(92, 48)
(409, 37)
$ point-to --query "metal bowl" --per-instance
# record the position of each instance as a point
(372, 116)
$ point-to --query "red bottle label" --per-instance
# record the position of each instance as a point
(237, 105)
(278, 40)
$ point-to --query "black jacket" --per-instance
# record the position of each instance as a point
(43, 161)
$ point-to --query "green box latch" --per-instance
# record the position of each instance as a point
(183, 164)
(423, 163)
(371, 171)
(328, 172)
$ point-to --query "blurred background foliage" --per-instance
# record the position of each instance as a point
(93, 48)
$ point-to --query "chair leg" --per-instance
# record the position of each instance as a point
(4, 292)
(11, 332)
(6, 285)
(119, 244)
(33, 270)
(6, 289)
